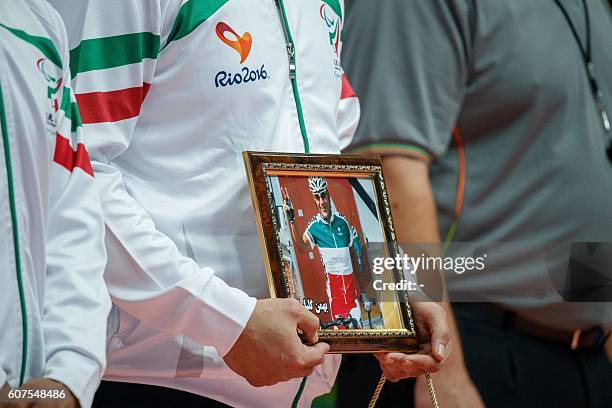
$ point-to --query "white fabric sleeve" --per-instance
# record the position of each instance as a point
(146, 274)
(349, 110)
(348, 113)
(76, 302)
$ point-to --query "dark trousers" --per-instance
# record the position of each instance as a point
(357, 380)
(510, 369)
(125, 395)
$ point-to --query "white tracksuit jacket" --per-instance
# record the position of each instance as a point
(171, 92)
(53, 303)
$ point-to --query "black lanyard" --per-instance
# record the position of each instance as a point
(590, 68)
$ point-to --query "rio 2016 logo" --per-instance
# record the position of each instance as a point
(242, 45)
(224, 78)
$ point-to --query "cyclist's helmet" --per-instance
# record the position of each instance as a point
(317, 184)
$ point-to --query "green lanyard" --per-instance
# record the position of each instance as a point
(280, 8)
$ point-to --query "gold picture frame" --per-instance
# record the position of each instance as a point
(356, 185)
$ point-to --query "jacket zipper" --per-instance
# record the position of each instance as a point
(13, 209)
(290, 46)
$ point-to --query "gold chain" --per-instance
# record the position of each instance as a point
(432, 391)
(377, 391)
(430, 388)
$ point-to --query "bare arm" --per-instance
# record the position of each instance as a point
(411, 196)
(301, 241)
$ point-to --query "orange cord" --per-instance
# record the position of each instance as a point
(461, 175)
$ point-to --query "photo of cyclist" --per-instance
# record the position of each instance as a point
(340, 251)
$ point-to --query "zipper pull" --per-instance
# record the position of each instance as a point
(291, 53)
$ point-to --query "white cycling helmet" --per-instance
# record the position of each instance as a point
(317, 184)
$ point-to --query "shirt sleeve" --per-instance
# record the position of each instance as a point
(114, 58)
(76, 303)
(348, 113)
(409, 63)
(349, 229)
(348, 106)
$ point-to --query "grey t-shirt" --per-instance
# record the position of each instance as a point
(509, 75)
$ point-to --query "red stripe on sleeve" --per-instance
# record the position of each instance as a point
(347, 89)
(68, 158)
(100, 107)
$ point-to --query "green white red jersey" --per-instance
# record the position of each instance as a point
(53, 302)
(171, 93)
(334, 240)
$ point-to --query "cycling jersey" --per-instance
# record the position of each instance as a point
(334, 240)
(51, 247)
(171, 93)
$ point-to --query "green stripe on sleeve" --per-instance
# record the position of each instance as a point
(110, 52)
(391, 148)
(45, 45)
(75, 117)
(66, 101)
(191, 15)
(71, 110)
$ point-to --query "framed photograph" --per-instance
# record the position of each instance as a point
(319, 218)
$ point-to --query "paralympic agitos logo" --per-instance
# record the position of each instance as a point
(331, 15)
(242, 44)
(53, 84)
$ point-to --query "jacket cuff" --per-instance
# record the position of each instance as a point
(229, 311)
(79, 373)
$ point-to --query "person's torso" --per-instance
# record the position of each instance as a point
(333, 241)
(221, 90)
(185, 162)
(536, 169)
(333, 234)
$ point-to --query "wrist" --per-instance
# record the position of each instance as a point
(4, 390)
